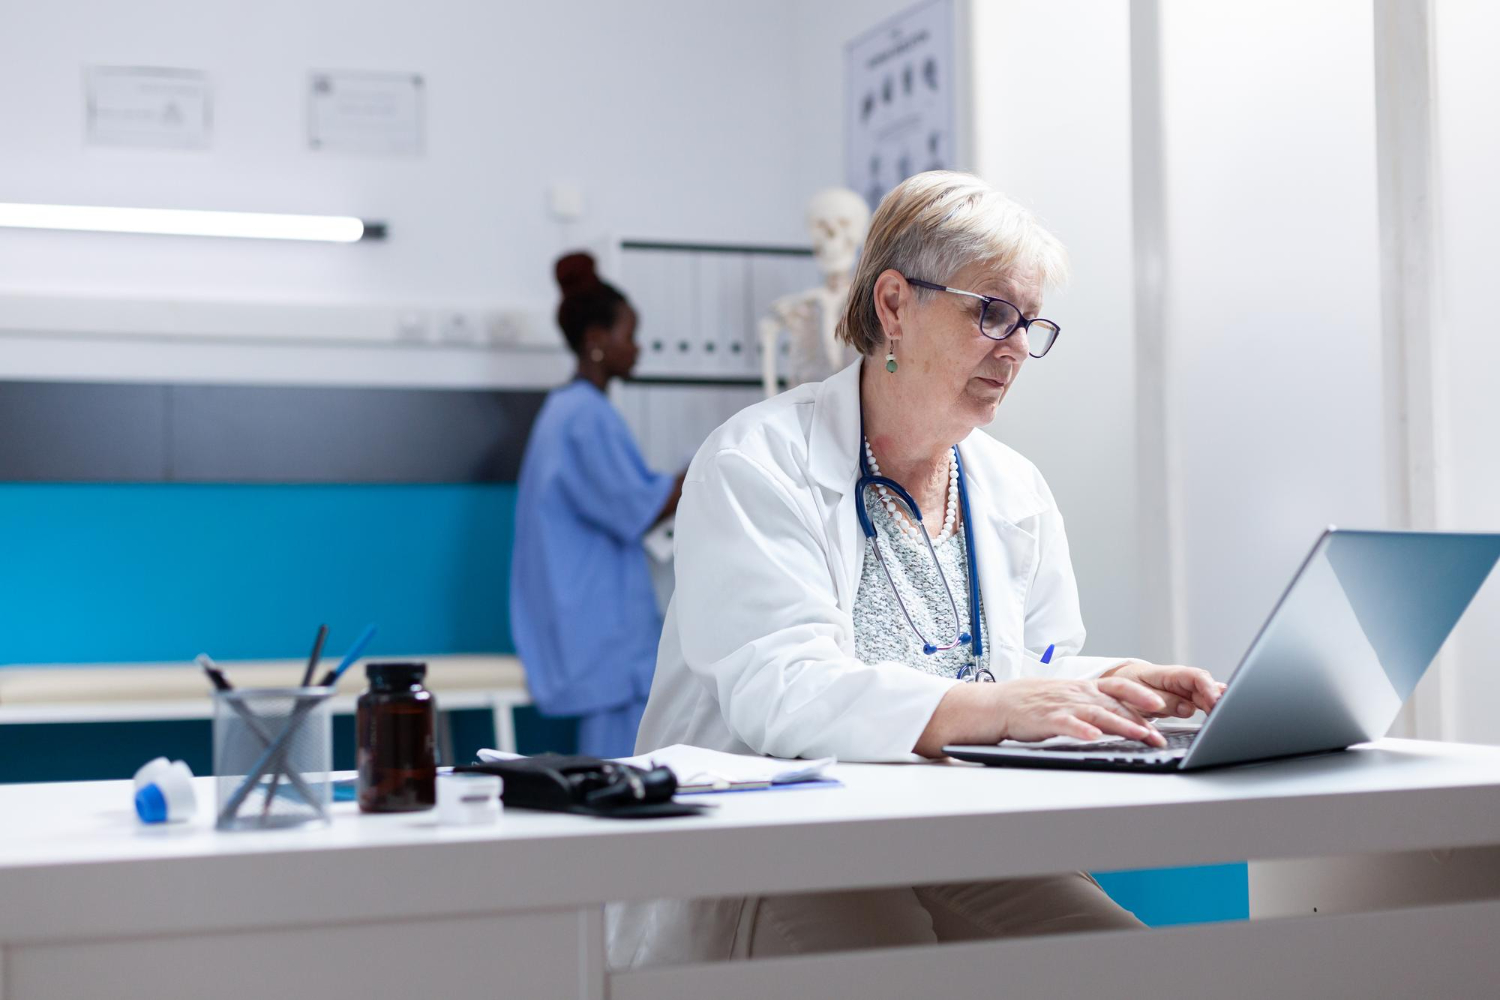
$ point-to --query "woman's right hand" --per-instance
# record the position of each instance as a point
(1032, 709)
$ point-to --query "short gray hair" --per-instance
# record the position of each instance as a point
(933, 225)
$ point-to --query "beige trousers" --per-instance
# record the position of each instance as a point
(962, 911)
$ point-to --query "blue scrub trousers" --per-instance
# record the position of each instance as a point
(611, 733)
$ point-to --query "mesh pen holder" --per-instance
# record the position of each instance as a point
(273, 751)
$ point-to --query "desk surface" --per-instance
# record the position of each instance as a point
(74, 862)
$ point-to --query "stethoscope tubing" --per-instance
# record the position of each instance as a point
(972, 670)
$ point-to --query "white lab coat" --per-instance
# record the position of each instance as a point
(757, 650)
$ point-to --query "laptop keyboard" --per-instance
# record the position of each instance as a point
(1175, 741)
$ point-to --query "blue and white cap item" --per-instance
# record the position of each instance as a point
(164, 792)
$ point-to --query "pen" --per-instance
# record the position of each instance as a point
(307, 676)
(332, 677)
(215, 675)
(329, 680)
(316, 655)
(1047, 656)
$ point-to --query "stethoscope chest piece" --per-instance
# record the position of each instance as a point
(974, 673)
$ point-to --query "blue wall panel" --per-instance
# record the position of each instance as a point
(142, 572)
(103, 751)
(1166, 896)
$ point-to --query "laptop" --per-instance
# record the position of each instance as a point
(1344, 647)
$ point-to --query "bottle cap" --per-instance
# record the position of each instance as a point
(150, 804)
(164, 792)
(395, 674)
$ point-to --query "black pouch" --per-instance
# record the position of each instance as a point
(590, 786)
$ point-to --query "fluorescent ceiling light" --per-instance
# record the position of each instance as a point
(184, 222)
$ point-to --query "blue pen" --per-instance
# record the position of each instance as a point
(1047, 656)
(355, 651)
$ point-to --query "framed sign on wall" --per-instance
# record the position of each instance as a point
(901, 93)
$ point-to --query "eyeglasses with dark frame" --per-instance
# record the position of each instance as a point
(1005, 318)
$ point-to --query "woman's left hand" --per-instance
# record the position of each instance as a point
(1184, 689)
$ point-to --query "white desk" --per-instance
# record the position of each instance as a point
(92, 905)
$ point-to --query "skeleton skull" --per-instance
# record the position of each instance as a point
(837, 220)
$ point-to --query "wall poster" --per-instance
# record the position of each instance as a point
(900, 96)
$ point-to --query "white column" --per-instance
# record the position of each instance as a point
(1161, 601)
(1465, 206)
(1410, 343)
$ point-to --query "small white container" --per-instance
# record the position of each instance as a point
(468, 798)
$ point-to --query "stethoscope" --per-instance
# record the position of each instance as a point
(972, 670)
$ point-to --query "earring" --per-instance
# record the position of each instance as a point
(596, 355)
(890, 362)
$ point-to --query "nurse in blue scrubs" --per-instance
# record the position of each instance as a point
(582, 608)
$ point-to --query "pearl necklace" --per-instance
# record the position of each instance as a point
(906, 524)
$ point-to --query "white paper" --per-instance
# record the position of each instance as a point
(491, 756)
(658, 541)
(696, 767)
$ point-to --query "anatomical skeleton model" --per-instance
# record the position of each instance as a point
(837, 220)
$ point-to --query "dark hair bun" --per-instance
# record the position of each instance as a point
(576, 274)
(587, 300)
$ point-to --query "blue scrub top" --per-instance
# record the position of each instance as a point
(582, 609)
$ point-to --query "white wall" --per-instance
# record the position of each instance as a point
(670, 115)
(1052, 129)
(1274, 378)
(1467, 150)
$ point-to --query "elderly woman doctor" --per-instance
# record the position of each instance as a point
(815, 614)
